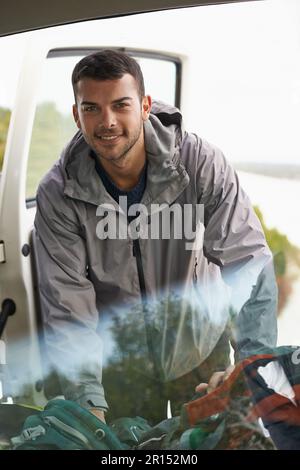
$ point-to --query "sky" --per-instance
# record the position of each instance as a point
(242, 77)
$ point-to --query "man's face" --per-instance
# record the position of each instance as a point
(110, 116)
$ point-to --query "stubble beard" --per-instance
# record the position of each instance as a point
(124, 152)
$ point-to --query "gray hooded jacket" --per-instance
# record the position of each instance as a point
(85, 280)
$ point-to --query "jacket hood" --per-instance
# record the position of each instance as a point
(166, 176)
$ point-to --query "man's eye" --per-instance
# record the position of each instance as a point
(90, 109)
(121, 105)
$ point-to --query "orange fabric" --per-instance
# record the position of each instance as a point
(278, 408)
(218, 400)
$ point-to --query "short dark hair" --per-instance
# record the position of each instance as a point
(108, 64)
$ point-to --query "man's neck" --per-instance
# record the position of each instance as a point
(127, 176)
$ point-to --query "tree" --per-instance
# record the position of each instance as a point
(286, 260)
(4, 123)
(51, 132)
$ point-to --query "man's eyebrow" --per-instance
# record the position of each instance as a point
(88, 102)
(119, 100)
(122, 99)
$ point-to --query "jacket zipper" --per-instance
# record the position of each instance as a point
(195, 277)
(136, 251)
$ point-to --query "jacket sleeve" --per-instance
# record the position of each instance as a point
(234, 240)
(68, 301)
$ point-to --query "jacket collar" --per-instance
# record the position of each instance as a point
(166, 175)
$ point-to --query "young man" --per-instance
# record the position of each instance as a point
(167, 292)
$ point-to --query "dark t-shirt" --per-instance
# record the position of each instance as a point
(134, 196)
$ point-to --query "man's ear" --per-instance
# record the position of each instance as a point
(76, 116)
(146, 107)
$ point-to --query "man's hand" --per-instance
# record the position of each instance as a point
(98, 413)
(216, 379)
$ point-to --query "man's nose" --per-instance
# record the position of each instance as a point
(108, 119)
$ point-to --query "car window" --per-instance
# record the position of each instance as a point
(5, 114)
(239, 90)
(9, 76)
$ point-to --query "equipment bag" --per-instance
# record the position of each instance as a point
(66, 425)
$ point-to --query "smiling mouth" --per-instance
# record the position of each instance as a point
(107, 138)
